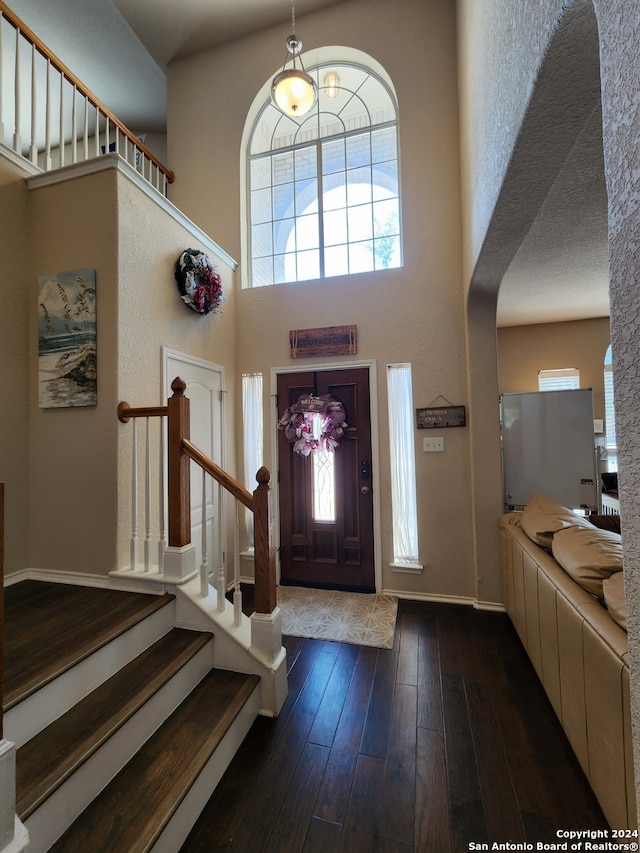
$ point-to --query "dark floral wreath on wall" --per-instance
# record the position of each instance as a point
(298, 423)
(199, 284)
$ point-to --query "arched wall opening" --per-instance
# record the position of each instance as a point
(562, 103)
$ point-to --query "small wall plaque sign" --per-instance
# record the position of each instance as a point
(331, 340)
(441, 417)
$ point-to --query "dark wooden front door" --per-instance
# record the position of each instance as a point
(328, 547)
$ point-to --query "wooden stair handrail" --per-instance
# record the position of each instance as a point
(219, 474)
(125, 412)
(33, 39)
(180, 452)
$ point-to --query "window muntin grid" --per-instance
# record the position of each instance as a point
(324, 190)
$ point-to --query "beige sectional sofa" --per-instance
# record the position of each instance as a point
(575, 638)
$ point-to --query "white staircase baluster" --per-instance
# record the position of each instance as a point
(237, 591)
(204, 562)
(85, 130)
(97, 133)
(33, 150)
(61, 137)
(161, 539)
(47, 124)
(17, 140)
(134, 497)
(74, 125)
(221, 581)
(147, 497)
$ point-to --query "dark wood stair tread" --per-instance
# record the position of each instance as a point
(132, 811)
(49, 758)
(50, 627)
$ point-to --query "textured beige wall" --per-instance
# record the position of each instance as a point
(72, 475)
(14, 376)
(412, 314)
(620, 34)
(151, 315)
(110, 225)
(524, 350)
(503, 45)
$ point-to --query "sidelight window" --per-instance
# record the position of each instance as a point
(403, 467)
(252, 424)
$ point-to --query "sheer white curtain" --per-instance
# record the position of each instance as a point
(403, 464)
(252, 426)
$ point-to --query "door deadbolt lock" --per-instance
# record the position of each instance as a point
(364, 490)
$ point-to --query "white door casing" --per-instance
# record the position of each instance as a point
(205, 390)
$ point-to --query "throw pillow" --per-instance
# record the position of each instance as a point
(588, 555)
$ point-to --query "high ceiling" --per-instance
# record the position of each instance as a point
(559, 271)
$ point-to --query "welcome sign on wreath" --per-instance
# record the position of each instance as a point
(314, 423)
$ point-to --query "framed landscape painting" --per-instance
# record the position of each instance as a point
(67, 363)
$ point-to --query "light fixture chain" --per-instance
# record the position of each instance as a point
(293, 17)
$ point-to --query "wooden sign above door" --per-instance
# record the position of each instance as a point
(331, 340)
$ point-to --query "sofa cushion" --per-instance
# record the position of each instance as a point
(543, 517)
(588, 555)
(613, 589)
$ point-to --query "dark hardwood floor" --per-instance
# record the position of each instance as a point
(444, 741)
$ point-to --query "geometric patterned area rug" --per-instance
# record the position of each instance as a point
(345, 617)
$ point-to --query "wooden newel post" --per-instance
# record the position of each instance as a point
(264, 543)
(179, 487)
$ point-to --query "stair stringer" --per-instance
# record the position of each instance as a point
(233, 648)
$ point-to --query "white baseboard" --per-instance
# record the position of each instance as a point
(58, 576)
(124, 581)
(468, 601)
(147, 581)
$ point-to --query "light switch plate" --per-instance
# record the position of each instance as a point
(433, 445)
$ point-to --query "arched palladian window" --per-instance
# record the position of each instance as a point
(323, 189)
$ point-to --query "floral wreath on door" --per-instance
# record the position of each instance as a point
(314, 423)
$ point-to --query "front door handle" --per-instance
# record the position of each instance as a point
(364, 490)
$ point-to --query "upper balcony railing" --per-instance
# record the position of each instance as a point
(48, 117)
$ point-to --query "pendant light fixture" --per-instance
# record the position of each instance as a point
(293, 91)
